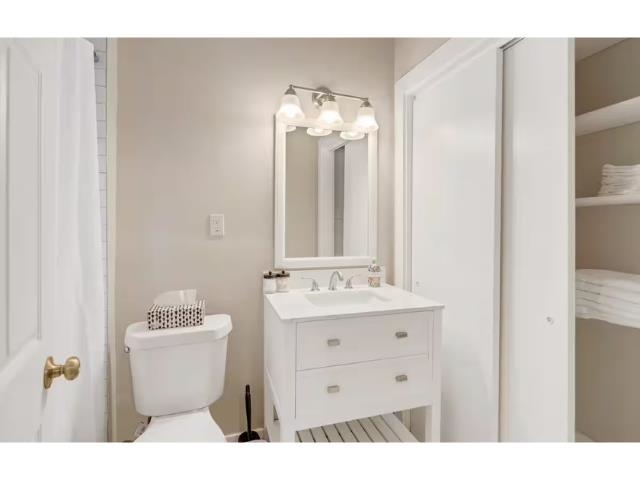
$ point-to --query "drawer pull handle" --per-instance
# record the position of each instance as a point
(333, 388)
(402, 334)
(333, 342)
(401, 378)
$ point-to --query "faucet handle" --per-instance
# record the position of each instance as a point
(349, 283)
(314, 283)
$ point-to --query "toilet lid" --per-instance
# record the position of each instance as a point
(139, 337)
(196, 426)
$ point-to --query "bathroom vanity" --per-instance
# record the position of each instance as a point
(340, 362)
(337, 356)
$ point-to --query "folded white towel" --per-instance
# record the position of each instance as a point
(612, 292)
(607, 295)
(625, 281)
(620, 179)
(608, 167)
(611, 305)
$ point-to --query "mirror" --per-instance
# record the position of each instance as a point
(325, 198)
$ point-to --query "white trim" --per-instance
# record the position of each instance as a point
(280, 261)
(446, 58)
(112, 145)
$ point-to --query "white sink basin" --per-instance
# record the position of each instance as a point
(347, 298)
(306, 305)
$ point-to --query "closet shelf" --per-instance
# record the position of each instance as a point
(608, 200)
(611, 116)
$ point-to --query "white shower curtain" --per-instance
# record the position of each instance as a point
(80, 310)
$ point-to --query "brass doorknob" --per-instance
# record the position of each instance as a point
(70, 370)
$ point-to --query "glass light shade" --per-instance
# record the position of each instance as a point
(330, 114)
(318, 132)
(290, 107)
(291, 128)
(366, 120)
(351, 135)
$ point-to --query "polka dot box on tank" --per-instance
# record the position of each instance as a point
(173, 316)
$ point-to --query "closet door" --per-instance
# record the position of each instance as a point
(455, 228)
(537, 379)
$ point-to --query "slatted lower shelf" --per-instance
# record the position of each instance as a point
(381, 428)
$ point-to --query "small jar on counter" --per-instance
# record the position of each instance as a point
(375, 274)
(282, 281)
(269, 282)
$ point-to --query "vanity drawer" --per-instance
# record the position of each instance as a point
(363, 389)
(348, 340)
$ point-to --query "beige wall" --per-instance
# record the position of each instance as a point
(607, 356)
(411, 51)
(195, 136)
(610, 76)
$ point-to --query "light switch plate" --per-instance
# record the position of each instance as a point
(216, 225)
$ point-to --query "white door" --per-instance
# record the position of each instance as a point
(456, 234)
(28, 136)
(537, 391)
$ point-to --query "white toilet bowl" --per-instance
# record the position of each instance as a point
(177, 373)
(196, 426)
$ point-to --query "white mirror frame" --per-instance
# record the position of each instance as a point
(280, 261)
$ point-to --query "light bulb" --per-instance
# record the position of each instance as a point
(351, 135)
(330, 113)
(366, 120)
(318, 132)
(290, 106)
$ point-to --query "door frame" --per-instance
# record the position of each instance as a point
(326, 148)
(112, 155)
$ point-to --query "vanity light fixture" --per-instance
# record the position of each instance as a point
(366, 120)
(318, 132)
(330, 116)
(290, 106)
(351, 135)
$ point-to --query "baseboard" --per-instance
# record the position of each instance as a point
(233, 437)
(582, 438)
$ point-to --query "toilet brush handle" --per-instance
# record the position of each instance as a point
(247, 405)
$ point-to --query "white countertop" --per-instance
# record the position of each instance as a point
(301, 304)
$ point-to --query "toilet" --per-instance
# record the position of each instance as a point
(177, 373)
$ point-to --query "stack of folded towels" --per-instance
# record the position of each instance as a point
(613, 297)
(620, 180)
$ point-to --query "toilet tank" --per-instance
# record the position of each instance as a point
(176, 370)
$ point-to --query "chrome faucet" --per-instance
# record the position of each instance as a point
(332, 280)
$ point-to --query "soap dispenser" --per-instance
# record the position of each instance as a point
(269, 282)
(282, 281)
(375, 274)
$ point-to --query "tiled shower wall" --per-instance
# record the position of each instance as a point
(100, 62)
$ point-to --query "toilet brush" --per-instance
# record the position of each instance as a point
(249, 435)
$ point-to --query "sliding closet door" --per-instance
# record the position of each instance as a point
(456, 236)
(537, 385)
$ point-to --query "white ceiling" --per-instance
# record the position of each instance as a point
(589, 46)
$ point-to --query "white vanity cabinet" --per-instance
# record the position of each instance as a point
(342, 362)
